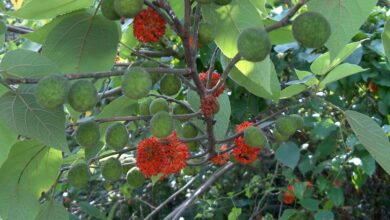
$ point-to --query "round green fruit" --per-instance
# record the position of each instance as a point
(204, 1)
(254, 137)
(144, 106)
(254, 44)
(111, 169)
(311, 29)
(136, 83)
(158, 105)
(135, 178)
(108, 10)
(222, 2)
(128, 8)
(285, 125)
(299, 122)
(117, 136)
(193, 145)
(51, 91)
(82, 95)
(161, 125)
(206, 33)
(179, 109)
(88, 134)
(189, 131)
(154, 76)
(170, 85)
(279, 137)
(78, 175)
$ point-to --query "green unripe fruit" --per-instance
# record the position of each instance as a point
(189, 131)
(254, 44)
(135, 178)
(51, 91)
(222, 2)
(82, 95)
(136, 83)
(158, 105)
(311, 29)
(108, 10)
(128, 8)
(170, 85)
(111, 169)
(154, 76)
(280, 138)
(254, 137)
(88, 134)
(204, 1)
(181, 110)
(144, 107)
(161, 125)
(298, 120)
(206, 33)
(78, 175)
(285, 125)
(117, 136)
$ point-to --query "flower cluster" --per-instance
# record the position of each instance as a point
(149, 26)
(214, 80)
(244, 153)
(221, 158)
(167, 156)
(288, 196)
(209, 105)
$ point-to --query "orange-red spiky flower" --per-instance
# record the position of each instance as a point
(221, 159)
(209, 105)
(150, 156)
(288, 196)
(214, 80)
(176, 153)
(149, 26)
(244, 153)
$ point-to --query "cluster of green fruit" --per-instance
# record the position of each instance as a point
(310, 29)
(111, 170)
(54, 90)
(115, 9)
(217, 2)
(254, 137)
(286, 126)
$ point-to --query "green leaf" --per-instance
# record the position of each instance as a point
(280, 36)
(336, 195)
(303, 75)
(20, 111)
(292, 90)
(92, 210)
(323, 64)
(288, 154)
(24, 63)
(52, 210)
(345, 18)
(31, 168)
(178, 8)
(310, 204)
(287, 214)
(324, 215)
(128, 41)
(40, 34)
(82, 42)
(156, 178)
(260, 79)
(234, 213)
(371, 135)
(299, 189)
(43, 9)
(386, 39)
(8, 138)
(340, 72)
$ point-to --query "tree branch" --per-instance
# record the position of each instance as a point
(286, 20)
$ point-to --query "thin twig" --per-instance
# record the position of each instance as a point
(286, 20)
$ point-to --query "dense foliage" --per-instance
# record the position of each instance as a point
(205, 109)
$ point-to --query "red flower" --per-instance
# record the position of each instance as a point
(149, 26)
(288, 196)
(221, 159)
(176, 154)
(209, 105)
(150, 156)
(244, 153)
(214, 80)
(167, 156)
